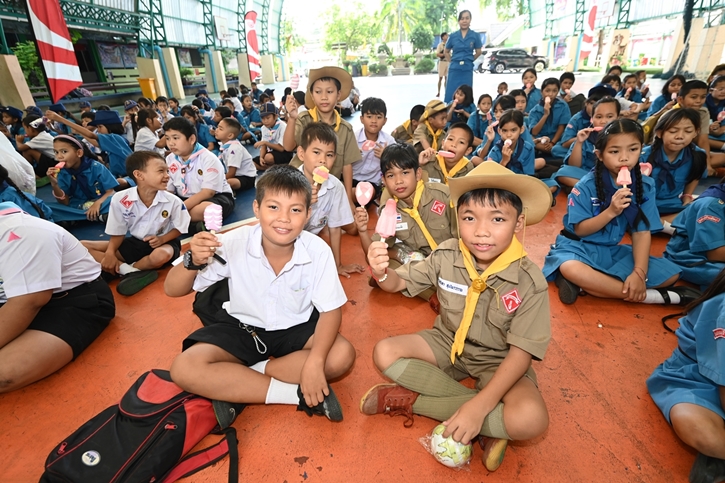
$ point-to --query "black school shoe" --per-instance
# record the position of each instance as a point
(134, 282)
(707, 469)
(568, 291)
(226, 412)
(687, 294)
(330, 407)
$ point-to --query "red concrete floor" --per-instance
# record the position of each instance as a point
(604, 426)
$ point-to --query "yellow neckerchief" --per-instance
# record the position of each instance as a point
(406, 125)
(462, 163)
(315, 116)
(435, 135)
(514, 252)
(413, 213)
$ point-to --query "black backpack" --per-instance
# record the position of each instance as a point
(143, 438)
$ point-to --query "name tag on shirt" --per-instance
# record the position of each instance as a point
(453, 287)
(434, 180)
(401, 226)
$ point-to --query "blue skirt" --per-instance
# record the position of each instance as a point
(701, 274)
(678, 380)
(62, 212)
(615, 261)
(457, 77)
(559, 151)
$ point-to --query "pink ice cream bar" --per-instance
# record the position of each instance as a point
(598, 128)
(645, 168)
(364, 192)
(543, 139)
(624, 178)
(387, 220)
(320, 174)
(368, 145)
(507, 142)
(494, 124)
(674, 96)
(529, 85)
(547, 101)
(489, 116)
(720, 116)
(566, 91)
(629, 90)
(60, 165)
(446, 154)
(213, 217)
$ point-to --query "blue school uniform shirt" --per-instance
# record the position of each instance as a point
(578, 121)
(532, 99)
(204, 135)
(657, 105)
(583, 204)
(525, 135)
(589, 159)
(478, 124)
(471, 109)
(525, 156)
(99, 179)
(251, 116)
(117, 149)
(8, 193)
(463, 49)
(714, 107)
(559, 115)
(667, 199)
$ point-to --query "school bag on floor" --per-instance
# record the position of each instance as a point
(143, 438)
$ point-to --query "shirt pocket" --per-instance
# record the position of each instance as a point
(493, 330)
(297, 300)
(452, 307)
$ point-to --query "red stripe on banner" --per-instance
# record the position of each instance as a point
(56, 54)
(50, 13)
(61, 86)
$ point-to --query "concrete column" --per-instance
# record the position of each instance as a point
(218, 66)
(244, 75)
(267, 69)
(172, 69)
(15, 91)
(283, 75)
(152, 68)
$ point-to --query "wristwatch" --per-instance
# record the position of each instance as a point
(189, 264)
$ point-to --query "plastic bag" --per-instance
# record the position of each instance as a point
(447, 451)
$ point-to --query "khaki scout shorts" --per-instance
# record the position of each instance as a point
(443, 68)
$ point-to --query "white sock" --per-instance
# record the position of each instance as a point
(668, 228)
(654, 297)
(259, 366)
(125, 269)
(282, 393)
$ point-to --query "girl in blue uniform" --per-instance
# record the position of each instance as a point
(83, 187)
(549, 117)
(588, 254)
(462, 106)
(533, 95)
(698, 245)
(519, 155)
(715, 103)
(478, 121)
(665, 100)
(580, 159)
(466, 46)
(677, 162)
(206, 139)
(579, 121)
(630, 92)
(688, 387)
(13, 119)
(26, 201)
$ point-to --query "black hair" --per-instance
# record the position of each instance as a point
(319, 131)
(228, 101)
(327, 79)
(182, 125)
(373, 105)
(443, 33)
(670, 119)
(692, 85)
(5, 176)
(300, 98)
(87, 153)
(506, 102)
(716, 287)
(607, 100)
(529, 70)
(287, 91)
(596, 96)
(198, 103)
(551, 81)
(638, 72)
(174, 99)
(138, 120)
(286, 180)
(517, 93)
(611, 77)
(482, 97)
(465, 127)
(144, 102)
(717, 80)
(666, 87)
(398, 155)
(511, 115)
(620, 126)
(139, 159)
(467, 94)
(162, 99)
(115, 128)
(233, 92)
(244, 97)
(494, 197)
(32, 118)
(614, 67)
(715, 70)
(460, 14)
(223, 111)
(104, 107)
(89, 115)
(233, 125)
(264, 98)
(416, 112)
(502, 84)
(567, 75)
(189, 111)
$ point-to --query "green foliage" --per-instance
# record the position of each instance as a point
(397, 18)
(440, 15)
(227, 56)
(424, 66)
(186, 72)
(507, 9)
(382, 69)
(291, 38)
(373, 69)
(421, 38)
(27, 56)
(353, 28)
(410, 59)
(384, 49)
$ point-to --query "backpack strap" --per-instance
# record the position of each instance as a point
(194, 462)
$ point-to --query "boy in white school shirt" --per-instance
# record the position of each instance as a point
(241, 172)
(373, 117)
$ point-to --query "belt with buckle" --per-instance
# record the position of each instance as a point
(462, 62)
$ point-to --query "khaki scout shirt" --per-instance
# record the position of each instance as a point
(435, 174)
(513, 310)
(348, 151)
(421, 132)
(403, 135)
(437, 215)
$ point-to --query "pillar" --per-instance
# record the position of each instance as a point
(152, 68)
(218, 67)
(283, 75)
(245, 78)
(172, 69)
(267, 69)
(15, 91)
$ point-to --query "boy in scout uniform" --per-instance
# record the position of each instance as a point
(459, 141)
(430, 132)
(327, 86)
(494, 319)
(404, 133)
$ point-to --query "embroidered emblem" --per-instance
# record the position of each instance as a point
(164, 214)
(705, 218)
(173, 168)
(438, 208)
(575, 191)
(211, 170)
(571, 201)
(126, 202)
(511, 301)
(13, 237)
(183, 170)
(719, 333)
(200, 172)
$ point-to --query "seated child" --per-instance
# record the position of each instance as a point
(641, 82)
(373, 118)
(588, 254)
(519, 155)
(502, 89)
(12, 118)
(206, 138)
(548, 119)
(573, 100)
(580, 159)
(693, 95)
(404, 133)
(271, 150)
(130, 108)
(285, 304)
(57, 128)
(478, 121)
(155, 219)
(329, 208)
(698, 244)
(687, 387)
(715, 104)
(580, 120)
(53, 303)
(241, 172)
(233, 95)
(147, 124)
(630, 92)
(458, 141)
(501, 105)
(162, 107)
(462, 106)
(677, 162)
(195, 174)
(174, 108)
(251, 115)
(476, 334)
(10, 192)
(38, 150)
(533, 94)
(82, 187)
(665, 100)
(430, 131)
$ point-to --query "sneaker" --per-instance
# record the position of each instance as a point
(389, 399)
(330, 407)
(568, 292)
(494, 450)
(707, 469)
(226, 412)
(133, 282)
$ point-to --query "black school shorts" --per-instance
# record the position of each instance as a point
(132, 249)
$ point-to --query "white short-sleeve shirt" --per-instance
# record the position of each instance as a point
(43, 142)
(234, 155)
(146, 140)
(128, 213)
(276, 134)
(201, 171)
(332, 207)
(37, 255)
(262, 299)
(368, 168)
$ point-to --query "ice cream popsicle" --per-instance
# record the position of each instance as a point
(544, 139)
(494, 124)
(58, 166)
(674, 96)
(624, 179)
(629, 90)
(720, 116)
(598, 128)
(213, 221)
(364, 192)
(507, 142)
(387, 220)
(529, 85)
(547, 101)
(489, 116)
(645, 168)
(368, 145)
(446, 154)
(566, 91)
(320, 175)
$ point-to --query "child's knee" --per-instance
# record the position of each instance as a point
(183, 369)
(384, 354)
(529, 420)
(160, 256)
(341, 358)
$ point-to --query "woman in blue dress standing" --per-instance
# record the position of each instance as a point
(466, 47)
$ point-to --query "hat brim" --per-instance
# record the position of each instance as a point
(440, 108)
(338, 73)
(535, 195)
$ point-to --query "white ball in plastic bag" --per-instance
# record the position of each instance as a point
(448, 451)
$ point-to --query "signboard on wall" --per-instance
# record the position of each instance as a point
(117, 56)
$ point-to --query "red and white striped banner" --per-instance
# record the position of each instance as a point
(54, 46)
(255, 64)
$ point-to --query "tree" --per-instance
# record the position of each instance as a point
(421, 38)
(27, 55)
(291, 39)
(397, 18)
(507, 9)
(349, 30)
(439, 15)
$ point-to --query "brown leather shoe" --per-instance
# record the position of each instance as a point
(389, 399)
(494, 450)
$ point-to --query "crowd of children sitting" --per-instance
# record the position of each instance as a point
(464, 179)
